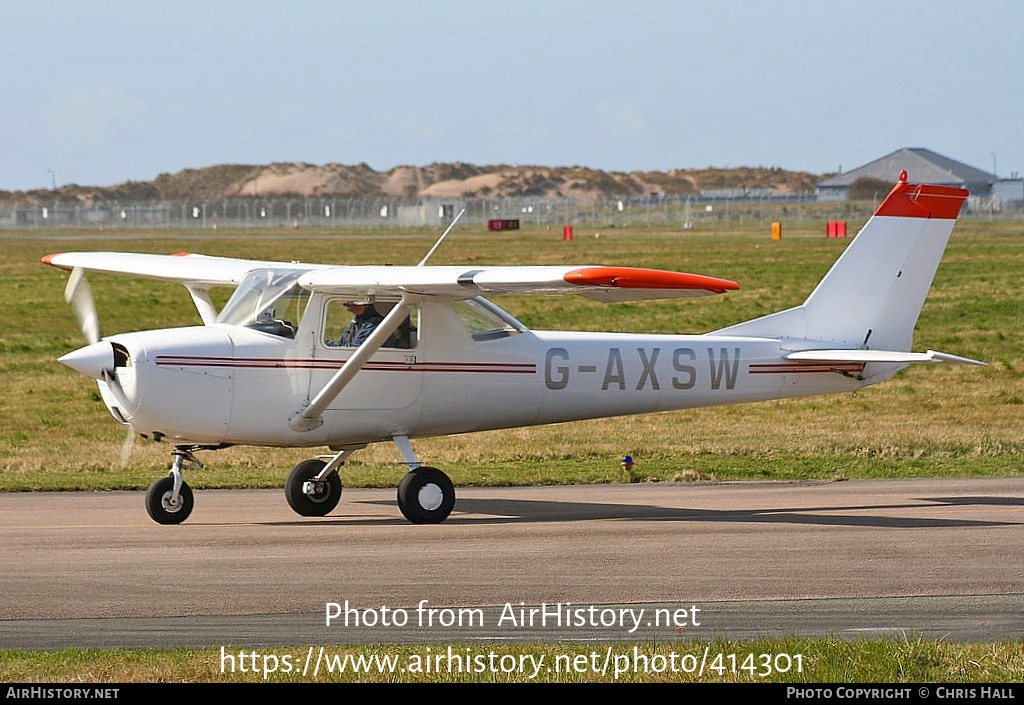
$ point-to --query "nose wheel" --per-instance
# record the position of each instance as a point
(426, 495)
(169, 500)
(163, 506)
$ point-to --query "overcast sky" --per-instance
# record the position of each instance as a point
(102, 92)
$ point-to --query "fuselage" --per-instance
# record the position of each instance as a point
(234, 384)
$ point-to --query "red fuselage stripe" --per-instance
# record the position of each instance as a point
(806, 367)
(316, 364)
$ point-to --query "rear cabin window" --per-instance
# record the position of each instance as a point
(485, 321)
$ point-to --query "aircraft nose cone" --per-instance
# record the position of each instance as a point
(92, 360)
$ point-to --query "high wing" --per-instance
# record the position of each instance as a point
(596, 282)
(183, 267)
(198, 273)
(602, 283)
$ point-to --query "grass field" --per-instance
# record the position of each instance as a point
(820, 661)
(929, 420)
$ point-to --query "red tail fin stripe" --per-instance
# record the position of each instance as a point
(925, 201)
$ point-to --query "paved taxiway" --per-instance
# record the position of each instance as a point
(938, 558)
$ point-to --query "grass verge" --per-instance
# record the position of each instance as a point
(788, 660)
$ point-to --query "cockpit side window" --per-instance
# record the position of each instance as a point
(347, 323)
(267, 300)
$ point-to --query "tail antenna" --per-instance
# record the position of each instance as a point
(441, 239)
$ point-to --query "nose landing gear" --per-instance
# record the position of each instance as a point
(169, 500)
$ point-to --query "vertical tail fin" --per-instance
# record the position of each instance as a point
(873, 294)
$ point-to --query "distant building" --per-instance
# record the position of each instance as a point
(923, 167)
(1006, 192)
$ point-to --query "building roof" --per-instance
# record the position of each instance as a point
(923, 166)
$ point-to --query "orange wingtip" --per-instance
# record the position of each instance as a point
(48, 259)
(181, 254)
(639, 278)
(923, 201)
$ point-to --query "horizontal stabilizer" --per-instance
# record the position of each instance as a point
(877, 356)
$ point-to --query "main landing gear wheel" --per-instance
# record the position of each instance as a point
(308, 497)
(426, 496)
(161, 508)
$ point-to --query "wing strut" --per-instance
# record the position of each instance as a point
(201, 298)
(309, 416)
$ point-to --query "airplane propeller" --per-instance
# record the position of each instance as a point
(79, 295)
(127, 447)
(97, 361)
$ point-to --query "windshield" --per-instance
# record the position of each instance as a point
(268, 300)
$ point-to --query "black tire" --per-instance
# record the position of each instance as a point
(321, 502)
(426, 496)
(158, 502)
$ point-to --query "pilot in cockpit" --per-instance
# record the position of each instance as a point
(365, 319)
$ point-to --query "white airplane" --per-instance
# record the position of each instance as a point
(267, 368)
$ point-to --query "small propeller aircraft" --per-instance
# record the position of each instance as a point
(267, 369)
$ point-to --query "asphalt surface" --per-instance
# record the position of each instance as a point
(939, 559)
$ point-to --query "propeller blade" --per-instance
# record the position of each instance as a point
(79, 295)
(126, 448)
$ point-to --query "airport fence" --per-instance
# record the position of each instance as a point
(397, 213)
